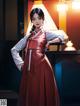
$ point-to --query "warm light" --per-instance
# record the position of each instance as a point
(76, 5)
(69, 46)
(38, 2)
(62, 7)
(48, 22)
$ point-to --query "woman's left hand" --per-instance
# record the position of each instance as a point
(47, 45)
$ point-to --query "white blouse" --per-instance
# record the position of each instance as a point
(21, 44)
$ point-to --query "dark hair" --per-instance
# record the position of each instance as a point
(37, 11)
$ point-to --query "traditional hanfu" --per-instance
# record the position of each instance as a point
(38, 86)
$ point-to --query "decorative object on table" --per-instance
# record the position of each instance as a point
(69, 46)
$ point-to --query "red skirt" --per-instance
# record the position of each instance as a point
(38, 86)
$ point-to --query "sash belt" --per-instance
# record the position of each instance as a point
(29, 63)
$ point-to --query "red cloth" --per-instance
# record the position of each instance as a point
(38, 86)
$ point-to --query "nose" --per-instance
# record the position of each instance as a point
(37, 20)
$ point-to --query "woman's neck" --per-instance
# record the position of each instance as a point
(37, 29)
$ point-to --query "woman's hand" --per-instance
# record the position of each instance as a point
(56, 40)
(47, 45)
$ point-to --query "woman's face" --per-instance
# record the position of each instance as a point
(37, 21)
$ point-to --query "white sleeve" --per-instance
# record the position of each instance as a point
(15, 52)
(55, 34)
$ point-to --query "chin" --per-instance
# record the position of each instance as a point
(38, 26)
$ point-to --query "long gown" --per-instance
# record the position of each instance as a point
(38, 86)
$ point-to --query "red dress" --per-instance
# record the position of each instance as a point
(38, 85)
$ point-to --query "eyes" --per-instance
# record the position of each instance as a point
(36, 18)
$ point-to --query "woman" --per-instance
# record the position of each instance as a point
(38, 85)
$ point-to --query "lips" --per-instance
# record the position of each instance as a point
(37, 24)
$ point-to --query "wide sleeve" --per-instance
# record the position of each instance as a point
(55, 34)
(15, 52)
